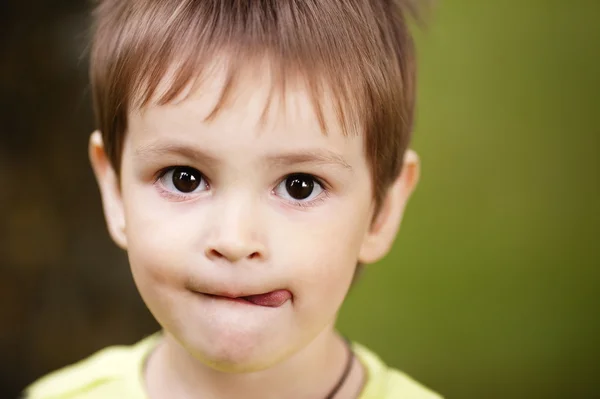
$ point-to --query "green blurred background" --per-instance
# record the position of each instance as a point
(491, 290)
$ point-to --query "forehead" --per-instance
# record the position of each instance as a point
(253, 104)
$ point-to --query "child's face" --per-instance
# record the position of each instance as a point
(250, 209)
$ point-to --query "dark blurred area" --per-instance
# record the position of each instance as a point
(492, 290)
(65, 290)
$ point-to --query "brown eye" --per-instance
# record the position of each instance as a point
(186, 179)
(183, 179)
(299, 187)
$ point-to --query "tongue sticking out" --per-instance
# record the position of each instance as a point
(272, 299)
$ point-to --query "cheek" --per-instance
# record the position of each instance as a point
(156, 243)
(156, 251)
(324, 255)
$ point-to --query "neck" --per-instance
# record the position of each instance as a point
(310, 373)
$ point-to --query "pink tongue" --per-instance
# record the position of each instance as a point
(271, 299)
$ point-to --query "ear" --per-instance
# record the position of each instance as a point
(381, 235)
(109, 189)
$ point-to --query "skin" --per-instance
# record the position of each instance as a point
(240, 234)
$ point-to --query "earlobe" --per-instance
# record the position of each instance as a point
(381, 236)
(109, 189)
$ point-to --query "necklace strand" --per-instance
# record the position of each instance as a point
(346, 372)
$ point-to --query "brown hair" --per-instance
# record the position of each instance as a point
(360, 51)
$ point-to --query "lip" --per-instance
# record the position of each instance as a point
(228, 295)
(271, 299)
(230, 299)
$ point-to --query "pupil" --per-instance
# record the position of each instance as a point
(186, 180)
(299, 187)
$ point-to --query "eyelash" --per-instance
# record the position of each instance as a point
(314, 202)
(183, 196)
(174, 196)
(310, 204)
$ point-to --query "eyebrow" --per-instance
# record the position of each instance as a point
(309, 156)
(317, 156)
(154, 150)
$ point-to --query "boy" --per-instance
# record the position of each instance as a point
(250, 154)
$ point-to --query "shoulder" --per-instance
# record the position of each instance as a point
(402, 386)
(384, 382)
(111, 372)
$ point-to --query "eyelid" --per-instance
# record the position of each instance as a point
(314, 202)
(322, 182)
(162, 172)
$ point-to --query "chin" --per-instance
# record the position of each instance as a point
(235, 351)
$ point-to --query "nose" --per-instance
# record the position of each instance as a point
(235, 233)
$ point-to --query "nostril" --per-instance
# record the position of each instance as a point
(232, 254)
(213, 253)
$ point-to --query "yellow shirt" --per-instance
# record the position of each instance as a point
(117, 372)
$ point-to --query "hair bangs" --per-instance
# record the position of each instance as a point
(355, 56)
